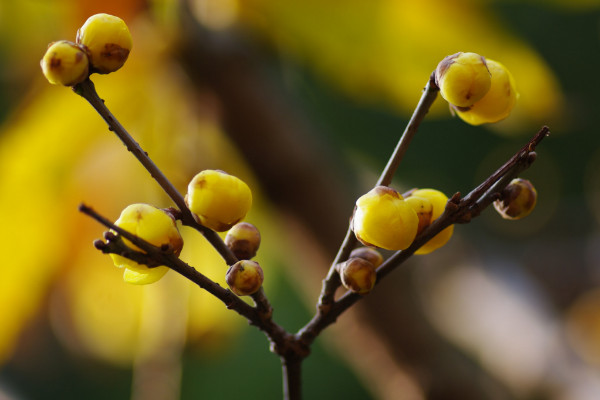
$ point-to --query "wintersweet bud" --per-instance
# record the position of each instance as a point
(218, 200)
(358, 275)
(243, 240)
(429, 204)
(368, 253)
(154, 226)
(65, 63)
(383, 219)
(517, 200)
(463, 78)
(498, 101)
(107, 41)
(244, 277)
(423, 208)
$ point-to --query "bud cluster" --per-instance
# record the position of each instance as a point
(384, 218)
(479, 90)
(102, 45)
(359, 273)
(218, 200)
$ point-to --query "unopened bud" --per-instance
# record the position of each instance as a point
(429, 204)
(154, 226)
(497, 103)
(368, 253)
(65, 63)
(383, 219)
(107, 41)
(218, 200)
(463, 78)
(517, 200)
(358, 275)
(424, 210)
(245, 277)
(243, 239)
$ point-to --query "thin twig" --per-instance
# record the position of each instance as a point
(332, 281)
(427, 98)
(457, 211)
(87, 90)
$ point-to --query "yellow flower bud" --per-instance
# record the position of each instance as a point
(245, 277)
(107, 41)
(65, 63)
(358, 275)
(518, 199)
(497, 103)
(463, 78)
(383, 219)
(368, 253)
(429, 204)
(154, 226)
(424, 210)
(243, 240)
(218, 200)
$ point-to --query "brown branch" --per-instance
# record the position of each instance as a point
(427, 98)
(292, 377)
(457, 211)
(87, 90)
(332, 281)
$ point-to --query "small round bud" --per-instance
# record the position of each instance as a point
(429, 204)
(245, 277)
(154, 226)
(368, 253)
(358, 275)
(218, 200)
(498, 101)
(243, 240)
(463, 78)
(517, 200)
(107, 41)
(383, 219)
(65, 63)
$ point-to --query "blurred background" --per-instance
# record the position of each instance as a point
(304, 100)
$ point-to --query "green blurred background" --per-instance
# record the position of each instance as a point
(304, 100)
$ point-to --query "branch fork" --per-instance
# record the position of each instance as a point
(293, 348)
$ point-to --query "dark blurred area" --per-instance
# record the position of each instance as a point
(306, 100)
